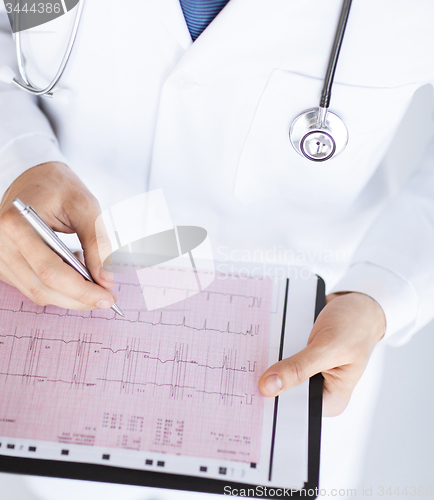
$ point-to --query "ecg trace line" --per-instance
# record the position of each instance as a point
(254, 298)
(51, 340)
(176, 359)
(174, 387)
(128, 352)
(34, 339)
(252, 331)
(24, 375)
(179, 368)
(45, 377)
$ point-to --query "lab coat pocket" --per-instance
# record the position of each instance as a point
(269, 167)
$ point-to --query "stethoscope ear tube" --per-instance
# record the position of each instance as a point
(334, 56)
(318, 134)
(25, 83)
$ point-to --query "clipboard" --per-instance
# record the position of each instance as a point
(12, 460)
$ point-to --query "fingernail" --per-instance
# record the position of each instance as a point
(106, 275)
(273, 384)
(103, 304)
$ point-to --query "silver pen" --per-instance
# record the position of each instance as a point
(55, 243)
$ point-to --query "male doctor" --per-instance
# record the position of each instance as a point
(159, 103)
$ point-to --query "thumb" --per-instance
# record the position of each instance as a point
(87, 221)
(294, 370)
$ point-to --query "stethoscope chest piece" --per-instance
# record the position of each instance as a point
(318, 134)
(318, 138)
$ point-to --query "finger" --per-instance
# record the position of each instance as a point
(85, 217)
(336, 394)
(6, 276)
(339, 384)
(53, 273)
(294, 370)
(36, 291)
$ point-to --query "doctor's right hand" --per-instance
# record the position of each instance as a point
(28, 264)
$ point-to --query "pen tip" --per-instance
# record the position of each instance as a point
(116, 308)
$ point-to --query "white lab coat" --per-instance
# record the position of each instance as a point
(208, 122)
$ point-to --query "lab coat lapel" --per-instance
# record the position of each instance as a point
(279, 28)
(244, 24)
(171, 16)
(219, 35)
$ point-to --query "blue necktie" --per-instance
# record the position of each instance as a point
(199, 13)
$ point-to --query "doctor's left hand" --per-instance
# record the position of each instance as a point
(339, 346)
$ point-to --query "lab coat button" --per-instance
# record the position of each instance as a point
(183, 81)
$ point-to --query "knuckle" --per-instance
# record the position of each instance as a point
(92, 242)
(39, 295)
(83, 297)
(46, 274)
(8, 221)
(298, 372)
(103, 242)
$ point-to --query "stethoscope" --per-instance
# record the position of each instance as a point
(7, 75)
(316, 134)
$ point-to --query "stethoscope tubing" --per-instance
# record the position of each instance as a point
(334, 56)
(26, 83)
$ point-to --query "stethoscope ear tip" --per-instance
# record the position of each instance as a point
(6, 74)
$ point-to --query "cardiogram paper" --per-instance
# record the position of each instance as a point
(179, 380)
